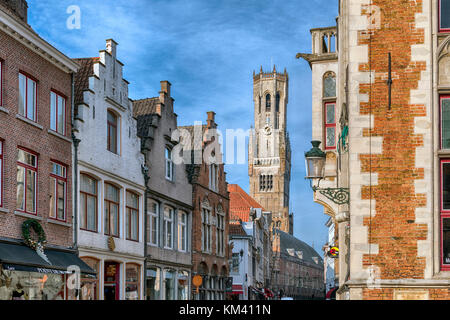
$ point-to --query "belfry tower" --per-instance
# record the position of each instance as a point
(269, 159)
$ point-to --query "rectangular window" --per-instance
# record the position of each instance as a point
(88, 203)
(445, 122)
(235, 263)
(132, 282)
(213, 177)
(58, 192)
(168, 227)
(444, 15)
(330, 125)
(26, 181)
(182, 231)
(27, 97)
(169, 164)
(1, 83)
(206, 230)
(112, 125)
(1, 173)
(445, 214)
(57, 113)
(153, 223)
(220, 234)
(132, 224)
(112, 204)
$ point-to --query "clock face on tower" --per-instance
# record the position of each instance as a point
(268, 130)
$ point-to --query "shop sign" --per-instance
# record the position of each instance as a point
(334, 252)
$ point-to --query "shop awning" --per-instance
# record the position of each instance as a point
(237, 289)
(22, 258)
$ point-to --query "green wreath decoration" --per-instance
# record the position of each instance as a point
(42, 239)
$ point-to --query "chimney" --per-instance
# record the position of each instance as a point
(111, 47)
(165, 87)
(18, 7)
(210, 120)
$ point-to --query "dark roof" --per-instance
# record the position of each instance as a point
(143, 124)
(145, 106)
(290, 242)
(82, 77)
(236, 229)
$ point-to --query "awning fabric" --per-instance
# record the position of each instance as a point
(237, 289)
(22, 258)
(331, 294)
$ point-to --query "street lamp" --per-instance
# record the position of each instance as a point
(315, 164)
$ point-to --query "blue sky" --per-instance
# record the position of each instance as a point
(208, 50)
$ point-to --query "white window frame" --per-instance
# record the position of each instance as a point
(154, 215)
(54, 112)
(182, 231)
(169, 163)
(213, 177)
(220, 232)
(206, 229)
(168, 220)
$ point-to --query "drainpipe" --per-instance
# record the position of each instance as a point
(146, 179)
(76, 142)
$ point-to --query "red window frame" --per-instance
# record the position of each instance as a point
(1, 172)
(444, 213)
(34, 169)
(58, 95)
(439, 19)
(108, 203)
(329, 125)
(128, 217)
(115, 126)
(441, 97)
(87, 194)
(63, 179)
(1, 82)
(28, 77)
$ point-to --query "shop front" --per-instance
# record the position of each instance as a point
(166, 283)
(27, 275)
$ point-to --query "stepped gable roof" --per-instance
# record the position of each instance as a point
(241, 203)
(290, 244)
(236, 229)
(82, 77)
(145, 106)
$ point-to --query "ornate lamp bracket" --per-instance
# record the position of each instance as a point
(337, 195)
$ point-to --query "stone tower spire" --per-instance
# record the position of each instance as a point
(269, 149)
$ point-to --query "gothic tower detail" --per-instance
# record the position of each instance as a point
(269, 160)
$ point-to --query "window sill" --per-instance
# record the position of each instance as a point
(34, 124)
(4, 110)
(60, 223)
(56, 134)
(27, 215)
(3, 210)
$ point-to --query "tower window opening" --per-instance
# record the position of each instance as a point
(268, 103)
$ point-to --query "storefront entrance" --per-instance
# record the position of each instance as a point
(112, 281)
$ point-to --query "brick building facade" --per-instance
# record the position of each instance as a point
(210, 218)
(35, 154)
(391, 80)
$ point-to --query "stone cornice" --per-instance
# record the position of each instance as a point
(35, 43)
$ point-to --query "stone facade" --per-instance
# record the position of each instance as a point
(210, 194)
(109, 161)
(169, 200)
(269, 147)
(390, 235)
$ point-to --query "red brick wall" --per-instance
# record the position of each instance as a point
(15, 132)
(393, 227)
(200, 191)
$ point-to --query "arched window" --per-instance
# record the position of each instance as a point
(268, 102)
(329, 85)
(88, 203)
(112, 125)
